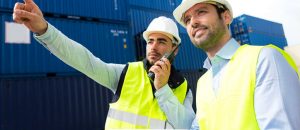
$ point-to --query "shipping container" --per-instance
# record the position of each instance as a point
(53, 103)
(160, 5)
(256, 31)
(246, 23)
(110, 42)
(102, 9)
(140, 19)
(60, 103)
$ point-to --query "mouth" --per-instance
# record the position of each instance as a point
(199, 31)
(154, 55)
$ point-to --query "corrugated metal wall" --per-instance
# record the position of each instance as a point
(162, 5)
(53, 103)
(102, 9)
(111, 42)
(60, 103)
(256, 31)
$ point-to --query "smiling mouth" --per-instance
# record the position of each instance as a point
(199, 32)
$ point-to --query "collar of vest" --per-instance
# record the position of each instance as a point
(175, 79)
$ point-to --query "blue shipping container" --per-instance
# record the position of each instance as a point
(160, 5)
(255, 31)
(53, 103)
(110, 42)
(140, 19)
(104, 9)
(247, 24)
(60, 103)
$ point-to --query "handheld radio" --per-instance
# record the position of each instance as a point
(169, 56)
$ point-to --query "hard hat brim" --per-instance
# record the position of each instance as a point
(187, 4)
(147, 33)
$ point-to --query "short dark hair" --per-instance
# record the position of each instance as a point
(220, 8)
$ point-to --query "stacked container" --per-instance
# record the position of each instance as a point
(111, 42)
(53, 103)
(39, 91)
(256, 31)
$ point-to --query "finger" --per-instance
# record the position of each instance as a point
(17, 19)
(155, 69)
(162, 65)
(19, 6)
(166, 61)
(23, 14)
(28, 1)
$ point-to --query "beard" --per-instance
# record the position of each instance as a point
(211, 37)
(153, 56)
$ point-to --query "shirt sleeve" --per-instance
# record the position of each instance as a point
(179, 116)
(277, 92)
(80, 58)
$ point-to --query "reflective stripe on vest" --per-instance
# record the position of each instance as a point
(138, 119)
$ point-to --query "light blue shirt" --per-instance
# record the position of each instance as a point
(108, 75)
(277, 92)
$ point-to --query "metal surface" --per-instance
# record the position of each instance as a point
(53, 103)
(102, 9)
(256, 31)
(161, 5)
(110, 42)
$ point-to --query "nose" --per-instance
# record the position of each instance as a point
(155, 44)
(194, 23)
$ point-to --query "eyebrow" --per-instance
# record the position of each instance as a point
(159, 39)
(195, 11)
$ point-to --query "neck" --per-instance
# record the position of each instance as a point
(211, 52)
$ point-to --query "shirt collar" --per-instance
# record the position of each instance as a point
(225, 53)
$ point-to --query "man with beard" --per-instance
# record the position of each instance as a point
(246, 87)
(138, 103)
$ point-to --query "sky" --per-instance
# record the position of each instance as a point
(286, 12)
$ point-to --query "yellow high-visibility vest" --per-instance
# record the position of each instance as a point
(233, 107)
(137, 108)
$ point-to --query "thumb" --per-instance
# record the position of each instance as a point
(28, 1)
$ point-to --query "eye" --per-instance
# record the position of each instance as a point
(200, 12)
(186, 20)
(149, 42)
(162, 42)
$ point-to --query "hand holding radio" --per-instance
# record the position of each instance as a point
(164, 65)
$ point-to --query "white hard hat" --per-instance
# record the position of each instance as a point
(165, 26)
(187, 4)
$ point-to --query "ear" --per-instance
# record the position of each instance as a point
(227, 17)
